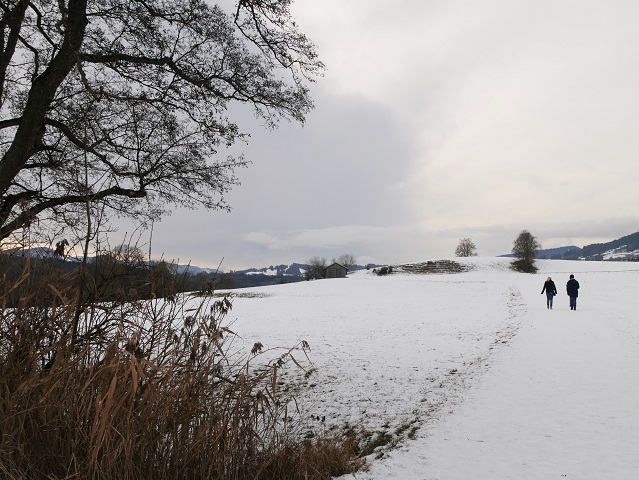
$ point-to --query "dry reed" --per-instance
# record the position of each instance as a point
(143, 389)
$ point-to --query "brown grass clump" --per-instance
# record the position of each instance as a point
(144, 389)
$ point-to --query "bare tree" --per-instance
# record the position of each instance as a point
(347, 260)
(316, 265)
(466, 248)
(123, 102)
(129, 254)
(525, 248)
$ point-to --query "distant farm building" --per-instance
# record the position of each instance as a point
(335, 270)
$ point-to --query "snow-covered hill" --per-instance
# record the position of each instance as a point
(624, 248)
(467, 375)
(293, 270)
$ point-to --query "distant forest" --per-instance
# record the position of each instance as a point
(113, 277)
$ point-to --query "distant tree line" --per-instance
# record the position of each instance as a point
(120, 274)
(123, 274)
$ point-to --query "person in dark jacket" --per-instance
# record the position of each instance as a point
(572, 289)
(551, 291)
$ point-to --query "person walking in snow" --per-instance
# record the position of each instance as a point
(572, 289)
(551, 291)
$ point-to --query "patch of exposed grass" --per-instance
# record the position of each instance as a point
(379, 443)
(374, 442)
(408, 429)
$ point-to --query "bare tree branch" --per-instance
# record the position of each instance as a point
(128, 99)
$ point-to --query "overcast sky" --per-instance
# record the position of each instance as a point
(438, 120)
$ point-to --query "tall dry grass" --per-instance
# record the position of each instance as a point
(144, 389)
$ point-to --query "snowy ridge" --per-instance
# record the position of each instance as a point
(293, 270)
(621, 253)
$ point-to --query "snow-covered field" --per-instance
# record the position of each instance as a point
(470, 373)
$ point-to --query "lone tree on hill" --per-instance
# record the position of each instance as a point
(466, 248)
(525, 248)
(123, 104)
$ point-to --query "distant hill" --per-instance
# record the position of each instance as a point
(623, 249)
(556, 253)
(251, 277)
(273, 275)
(294, 270)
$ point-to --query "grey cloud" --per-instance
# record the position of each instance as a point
(462, 119)
(343, 168)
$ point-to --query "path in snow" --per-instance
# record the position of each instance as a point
(561, 402)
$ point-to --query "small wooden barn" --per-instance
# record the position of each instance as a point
(335, 270)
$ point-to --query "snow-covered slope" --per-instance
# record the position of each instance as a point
(470, 373)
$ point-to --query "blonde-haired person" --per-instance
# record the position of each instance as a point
(551, 291)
